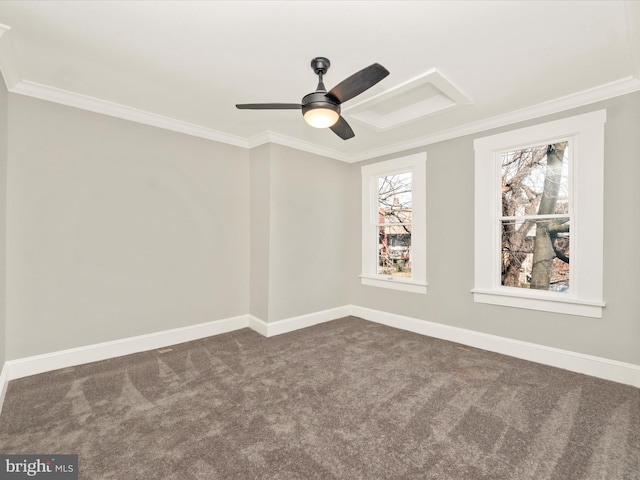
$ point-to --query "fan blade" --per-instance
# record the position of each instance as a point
(342, 129)
(269, 106)
(358, 82)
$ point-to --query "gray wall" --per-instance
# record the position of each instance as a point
(260, 192)
(116, 229)
(450, 230)
(298, 223)
(308, 223)
(3, 216)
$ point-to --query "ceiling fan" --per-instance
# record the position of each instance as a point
(321, 109)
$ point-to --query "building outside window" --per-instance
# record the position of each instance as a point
(395, 214)
(394, 224)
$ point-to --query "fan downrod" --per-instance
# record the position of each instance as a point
(320, 65)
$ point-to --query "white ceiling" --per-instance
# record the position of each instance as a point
(184, 65)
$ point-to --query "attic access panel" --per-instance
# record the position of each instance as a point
(428, 95)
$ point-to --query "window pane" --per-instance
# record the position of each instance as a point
(536, 180)
(394, 198)
(535, 254)
(394, 250)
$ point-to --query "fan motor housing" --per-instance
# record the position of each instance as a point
(319, 100)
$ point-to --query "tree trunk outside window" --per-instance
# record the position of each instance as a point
(543, 251)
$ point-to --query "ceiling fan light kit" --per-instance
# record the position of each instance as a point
(321, 109)
(321, 117)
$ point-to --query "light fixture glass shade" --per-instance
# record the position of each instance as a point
(321, 117)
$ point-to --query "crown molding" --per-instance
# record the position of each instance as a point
(632, 17)
(286, 141)
(112, 109)
(7, 66)
(84, 102)
(574, 100)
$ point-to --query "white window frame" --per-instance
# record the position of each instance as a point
(416, 164)
(586, 135)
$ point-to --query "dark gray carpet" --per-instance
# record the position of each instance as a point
(348, 399)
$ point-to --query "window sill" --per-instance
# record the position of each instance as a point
(568, 305)
(395, 283)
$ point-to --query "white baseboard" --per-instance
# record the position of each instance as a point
(4, 383)
(259, 326)
(23, 367)
(576, 362)
(599, 367)
(36, 364)
(296, 323)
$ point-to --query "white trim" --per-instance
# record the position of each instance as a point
(270, 329)
(613, 89)
(554, 302)
(258, 325)
(25, 87)
(96, 105)
(23, 367)
(46, 362)
(394, 283)
(7, 65)
(632, 17)
(599, 367)
(369, 276)
(286, 141)
(112, 109)
(4, 383)
(586, 134)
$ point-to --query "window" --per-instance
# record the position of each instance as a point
(538, 216)
(394, 224)
(535, 217)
